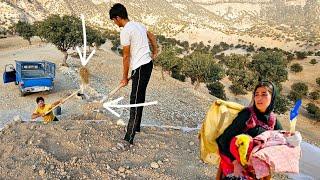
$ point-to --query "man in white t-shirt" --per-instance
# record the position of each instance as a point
(134, 38)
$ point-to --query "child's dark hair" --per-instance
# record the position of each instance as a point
(39, 99)
(118, 10)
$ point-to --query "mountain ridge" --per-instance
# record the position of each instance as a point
(174, 17)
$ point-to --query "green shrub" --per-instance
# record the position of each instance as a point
(244, 78)
(314, 95)
(296, 67)
(250, 48)
(313, 110)
(262, 49)
(178, 75)
(66, 33)
(294, 96)
(301, 55)
(310, 53)
(300, 88)
(237, 89)
(201, 67)
(281, 104)
(270, 66)
(313, 61)
(25, 30)
(290, 56)
(217, 89)
(318, 81)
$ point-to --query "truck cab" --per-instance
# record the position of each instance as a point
(31, 76)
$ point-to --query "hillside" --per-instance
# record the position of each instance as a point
(85, 144)
(277, 21)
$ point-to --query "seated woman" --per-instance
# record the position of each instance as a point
(253, 120)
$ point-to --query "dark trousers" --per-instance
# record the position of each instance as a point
(55, 119)
(140, 79)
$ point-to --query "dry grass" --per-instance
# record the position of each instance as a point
(84, 75)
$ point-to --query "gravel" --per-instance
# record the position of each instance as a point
(179, 105)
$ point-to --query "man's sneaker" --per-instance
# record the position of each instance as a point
(124, 145)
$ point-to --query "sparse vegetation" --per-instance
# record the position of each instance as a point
(242, 79)
(176, 74)
(262, 49)
(237, 89)
(3, 32)
(296, 67)
(167, 59)
(25, 30)
(262, 62)
(250, 48)
(256, 21)
(217, 89)
(301, 55)
(95, 38)
(201, 67)
(315, 95)
(298, 90)
(313, 61)
(66, 32)
(242, 72)
(290, 56)
(310, 53)
(300, 87)
(281, 104)
(294, 96)
(313, 110)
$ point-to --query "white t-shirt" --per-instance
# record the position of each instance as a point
(135, 35)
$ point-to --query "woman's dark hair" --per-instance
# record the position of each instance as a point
(267, 84)
(39, 99)
(118, 10)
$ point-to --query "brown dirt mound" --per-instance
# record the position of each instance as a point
(89, 150)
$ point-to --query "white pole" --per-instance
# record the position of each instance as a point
(84, 38)
(130, 105)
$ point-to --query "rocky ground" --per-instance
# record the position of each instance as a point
(85, 143)
(81, 146)
(91, 150)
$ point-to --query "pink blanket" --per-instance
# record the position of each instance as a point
(272, 154)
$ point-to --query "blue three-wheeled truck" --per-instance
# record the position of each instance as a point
(31, 76)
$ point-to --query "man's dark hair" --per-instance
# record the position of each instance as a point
(39, 99)
(118, 10)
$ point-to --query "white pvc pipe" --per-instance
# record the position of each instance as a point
(129, 105)
(90, 56)
(84, 38)
(80, 55)
(113, 112)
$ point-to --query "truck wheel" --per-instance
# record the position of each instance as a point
(22, 94)
(47, 92)
(50, 91)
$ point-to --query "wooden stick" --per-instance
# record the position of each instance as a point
(117, 89)
(64, 100)
(113, 91)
